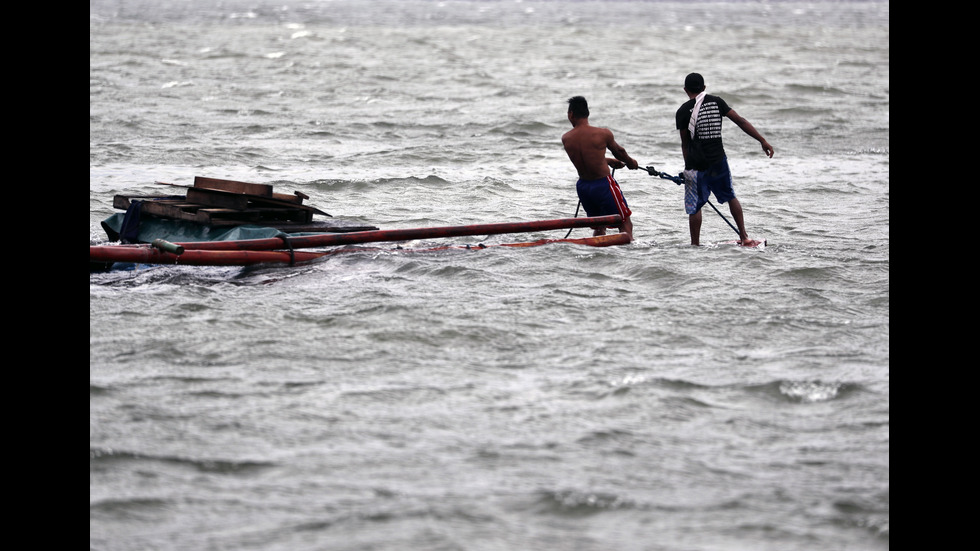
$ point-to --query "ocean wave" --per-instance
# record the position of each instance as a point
(100, 458)
(805, 391)
(577, 503)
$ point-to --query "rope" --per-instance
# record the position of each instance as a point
(679, 179)
(289, 245)
(576, 216)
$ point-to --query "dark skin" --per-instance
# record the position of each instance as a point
(694, 220)
(586, 147)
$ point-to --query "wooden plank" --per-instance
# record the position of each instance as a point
(213, 198)
(218, 221)
(263, 190)
(183, 210)
(256, 215)
(271, 213)
(288, 198)
(123, 201)
(259, 212)
(280, 199)
(168, 210)
(223, 212)
(256, 201)
(120, 202)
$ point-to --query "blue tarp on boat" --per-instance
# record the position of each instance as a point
(179, 231)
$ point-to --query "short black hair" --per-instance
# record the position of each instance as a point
(694, 83)
(579, 107)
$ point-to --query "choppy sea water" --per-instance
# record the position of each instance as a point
(654, 396)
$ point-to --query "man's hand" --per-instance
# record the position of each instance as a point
(767, 149)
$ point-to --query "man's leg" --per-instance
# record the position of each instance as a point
(694, 220)
(627, 228)
(736, 208)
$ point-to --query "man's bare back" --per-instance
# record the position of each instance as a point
(586, 147)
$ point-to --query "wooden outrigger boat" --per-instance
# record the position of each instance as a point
(239, 210)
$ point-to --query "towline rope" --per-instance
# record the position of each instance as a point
(679, 179)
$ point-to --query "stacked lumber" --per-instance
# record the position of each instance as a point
(215, 202)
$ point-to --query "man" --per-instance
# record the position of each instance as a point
(586, 147)
(705, 163)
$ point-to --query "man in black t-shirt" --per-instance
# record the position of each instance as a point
(705, 163)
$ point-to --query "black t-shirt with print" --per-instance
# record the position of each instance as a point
(708, 130)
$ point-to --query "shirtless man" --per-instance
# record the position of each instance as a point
(586, 147)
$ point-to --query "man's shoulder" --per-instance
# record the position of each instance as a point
(683, 113)
(587, 131)
(685, 109)
(710, 98)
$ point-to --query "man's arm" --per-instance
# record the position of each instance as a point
(685, 142)
(747, 127)
(619, 152)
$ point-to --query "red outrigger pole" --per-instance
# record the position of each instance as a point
(140, 254)
(353, 238)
